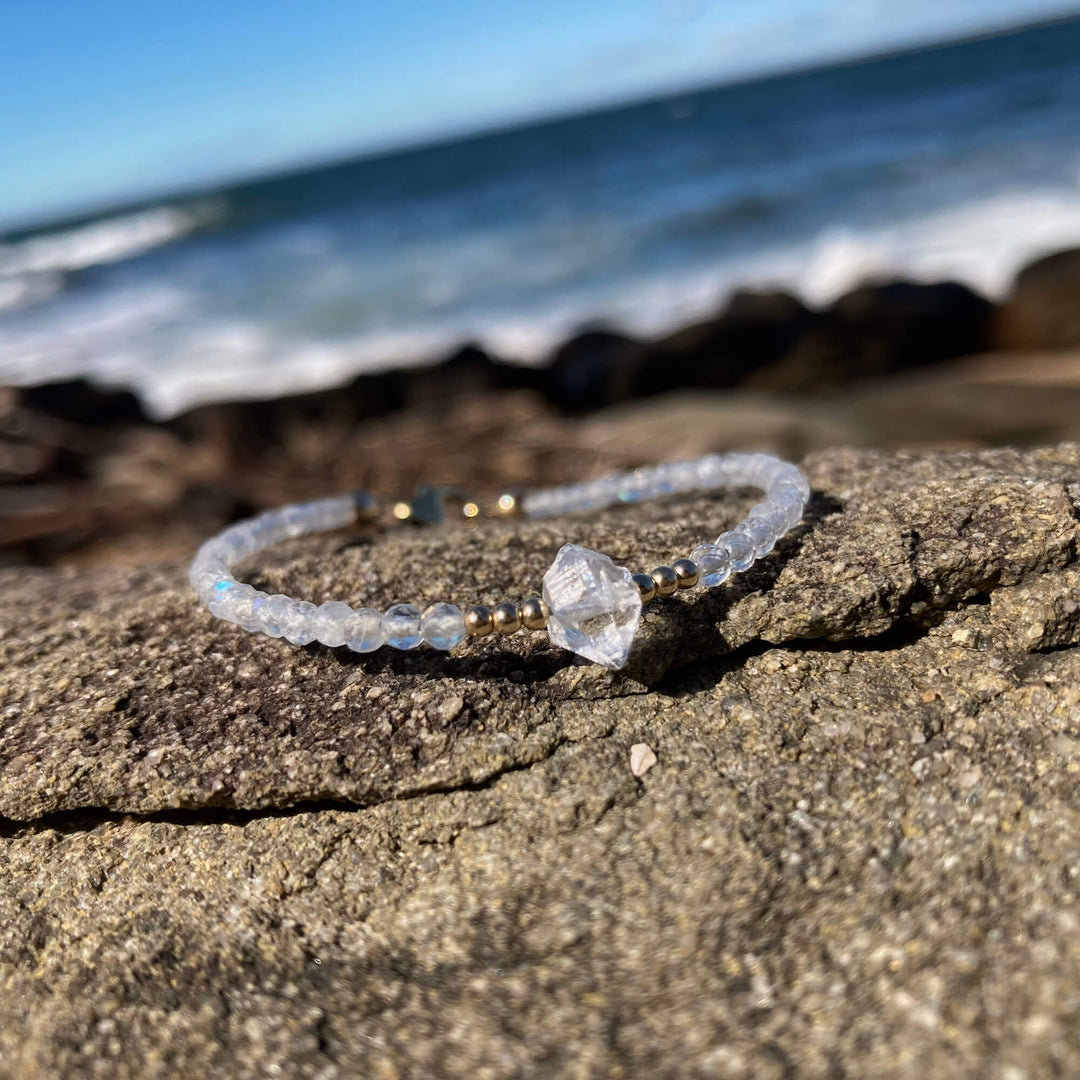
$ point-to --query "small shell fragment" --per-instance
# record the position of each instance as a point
(642, 758)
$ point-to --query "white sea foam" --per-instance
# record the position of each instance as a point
(158, 339)
(99, 242)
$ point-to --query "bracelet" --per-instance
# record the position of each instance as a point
(587, 605)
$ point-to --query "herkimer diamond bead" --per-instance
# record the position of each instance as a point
(595, 605)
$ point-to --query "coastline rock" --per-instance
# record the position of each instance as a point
(592, 369)
(881, 328)
(220, 852)
(1043, 309)
(752, 332)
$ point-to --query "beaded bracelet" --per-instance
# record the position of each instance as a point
(588, 604)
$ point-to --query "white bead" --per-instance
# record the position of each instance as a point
(713, 563)
(270, 614)
(443, 626)
(365, 630)
(329, 622)
(760, 533)
(741, 549)
(774, 516)
(296, 625)
(401, 625)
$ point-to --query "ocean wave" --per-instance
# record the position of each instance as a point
(161, 340)
(31, 269)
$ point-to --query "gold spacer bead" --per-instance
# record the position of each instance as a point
(505, 506)
(507, 618)
(646, 587)
(687, 572)
(534, 614)
(667, 581)
(479, 621)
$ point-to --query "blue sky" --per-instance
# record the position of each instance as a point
(105, 100)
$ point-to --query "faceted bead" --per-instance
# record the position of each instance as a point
(443, 626)
(251, 622)
(241, 604)
(595, 605)
(714, 564)
(221, 598)
(296, 625)
(401, 625)
(329, 622)
(774, 516)
(760, 533)
(271, 614)
(791, 502)
(789, 478)
(741, 549)
(364, 630)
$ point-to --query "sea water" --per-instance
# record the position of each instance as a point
(957, 162)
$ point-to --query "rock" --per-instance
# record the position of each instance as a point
(754, 330)
(594, 368)
(642, 758)
(876, 329)
(223, 853)
(1043, 309)
(79, 401)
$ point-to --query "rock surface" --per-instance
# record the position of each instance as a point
(857, 854)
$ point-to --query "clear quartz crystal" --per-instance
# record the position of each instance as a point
(329, 622)
(401, 625)
(443, 626)
(713, 563)
(364, 630)
(595, 605)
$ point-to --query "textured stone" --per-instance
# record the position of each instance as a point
(857, 856)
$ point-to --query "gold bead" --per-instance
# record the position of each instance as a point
(505, 506)
(667, 582)
(687, 572)
(507, 618)
(646, 587)
(534, 614)
(479, 621)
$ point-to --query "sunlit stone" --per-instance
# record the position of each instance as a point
(595, 605)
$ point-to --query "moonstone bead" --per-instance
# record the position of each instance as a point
(761, 534)
(401, 625)
(329, 622)
(364, 630)
(443, 626)
(296, 624)
(271, 614)
(774, 516)
(252, 623)
(791, 502)
(713, 563)
(594, 605)
(243, 599)
(741, 549)
(221, 599)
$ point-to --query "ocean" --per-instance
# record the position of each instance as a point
(961, 161)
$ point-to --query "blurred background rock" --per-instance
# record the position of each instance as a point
(791, 229)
